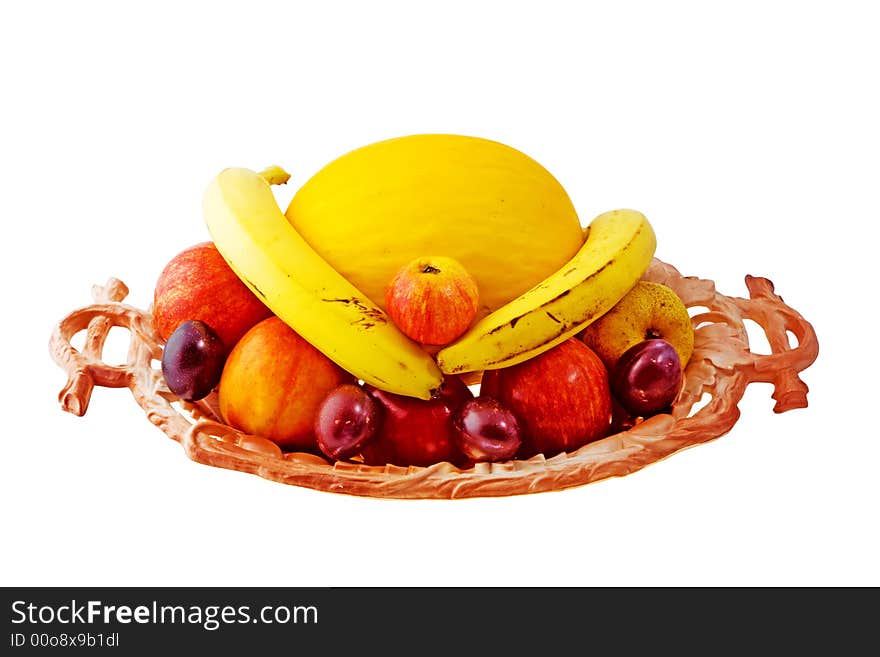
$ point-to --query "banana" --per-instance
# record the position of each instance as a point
(299, 286)
(617, 249)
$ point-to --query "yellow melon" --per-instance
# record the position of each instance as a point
(489, 206)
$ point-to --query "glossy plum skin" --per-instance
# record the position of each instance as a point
(647, 377)
(192, 360)
(486, 431)
(347, 419)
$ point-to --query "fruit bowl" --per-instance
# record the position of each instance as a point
(722, 366)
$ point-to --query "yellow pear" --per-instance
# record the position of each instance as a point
(648, 310)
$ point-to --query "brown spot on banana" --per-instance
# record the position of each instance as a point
(374, 314)
(256, 290)
(511, 324)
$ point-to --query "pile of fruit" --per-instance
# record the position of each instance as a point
(427, 299)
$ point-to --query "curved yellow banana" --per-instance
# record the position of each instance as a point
(618, 248)
(299, 286)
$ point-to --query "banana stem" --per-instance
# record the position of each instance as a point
(275, 175)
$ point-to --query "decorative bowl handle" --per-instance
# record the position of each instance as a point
(783, 365)
(85, 368)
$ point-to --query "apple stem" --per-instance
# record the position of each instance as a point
(275, 175)
(430, 269)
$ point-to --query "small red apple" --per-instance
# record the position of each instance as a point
(273, 383)
(432, 300)
(562, 396)
(417, 431)
(197, 284)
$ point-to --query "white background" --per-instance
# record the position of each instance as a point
(747, 134)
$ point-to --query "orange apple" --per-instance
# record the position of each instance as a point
(433, 300)
(273, 383)
(197, 284)
(562, 397)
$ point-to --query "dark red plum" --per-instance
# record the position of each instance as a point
(347, 419)
(647, 377)
(487, 431)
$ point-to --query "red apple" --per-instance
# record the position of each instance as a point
(432, 300)
(273, 383)
(197, 284)
(562, 396)
(417, 431)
